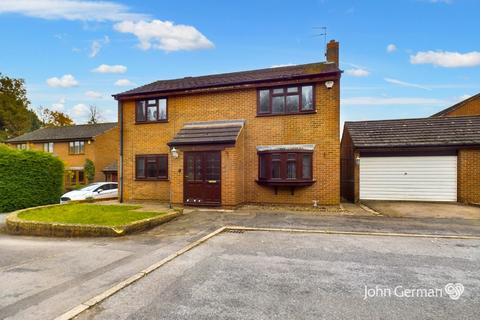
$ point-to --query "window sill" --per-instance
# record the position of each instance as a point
(292, 184)
(151, 179)
(286, 183)
(285, 114)
(151, 122)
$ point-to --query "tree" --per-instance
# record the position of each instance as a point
(15, 116)
(89, 169)
(94, 116)
(52, 118)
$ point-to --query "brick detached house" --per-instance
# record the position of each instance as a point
(259, 136)
(425, 159)
(74, 144)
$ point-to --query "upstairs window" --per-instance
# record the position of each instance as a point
(151, 110)
(286, 100)
(151, 167)
(76, 147)
(285, 166)
(48, 147)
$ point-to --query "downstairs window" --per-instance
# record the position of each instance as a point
(285, 167)
(151, 167)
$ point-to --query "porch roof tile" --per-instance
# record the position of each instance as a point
(208, 132)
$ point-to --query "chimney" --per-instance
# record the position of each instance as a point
(332, 52)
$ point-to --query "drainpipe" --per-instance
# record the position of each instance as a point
(120, 169)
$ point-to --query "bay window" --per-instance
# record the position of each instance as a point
(294, 99)
(285, 168)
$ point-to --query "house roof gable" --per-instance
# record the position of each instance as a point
(455, 106)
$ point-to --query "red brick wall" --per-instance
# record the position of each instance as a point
(239, 164)
(469, 108)
(469, 176)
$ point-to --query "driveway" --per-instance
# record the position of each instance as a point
(424, 209)
(276, 275)
(41, 278)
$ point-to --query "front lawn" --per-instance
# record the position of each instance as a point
(79, 213)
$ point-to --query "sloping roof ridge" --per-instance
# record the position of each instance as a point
(222, 74)
(455, 106)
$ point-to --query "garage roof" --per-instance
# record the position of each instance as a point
(421, 132)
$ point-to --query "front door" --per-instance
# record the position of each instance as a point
(202, 185)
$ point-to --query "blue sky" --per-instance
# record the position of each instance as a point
(402, 59)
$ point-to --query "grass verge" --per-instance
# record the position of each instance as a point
(93, 214)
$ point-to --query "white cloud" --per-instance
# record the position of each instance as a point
(165, 35)
(58, 106)
(70, 10)
(97, 46)
(406, 84)
(66, 81)
(357, 72)
(391, 48)
(440, 1)
(124, 83)
(282, 65)
(447, 59)
(382, 101)
(80, 112)
(156, 34)
(93, 94)
(464, 97)
(105, 68)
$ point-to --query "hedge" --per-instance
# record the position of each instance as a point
(29, 178)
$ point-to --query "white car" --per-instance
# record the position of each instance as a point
(97, 190)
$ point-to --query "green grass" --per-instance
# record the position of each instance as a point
(79, 213)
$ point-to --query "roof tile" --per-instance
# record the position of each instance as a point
(233, 78)
(84, 131)
(444, 131)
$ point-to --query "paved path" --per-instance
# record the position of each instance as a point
(41, 278)
(277, 275)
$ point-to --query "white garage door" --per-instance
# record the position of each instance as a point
(432, 178)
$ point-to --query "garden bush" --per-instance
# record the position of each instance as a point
(29, 178)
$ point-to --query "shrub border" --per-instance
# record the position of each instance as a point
(17, 226)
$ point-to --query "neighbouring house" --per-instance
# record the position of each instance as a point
(426, 159)
(260, 136)
(74, 144)
(467, 107)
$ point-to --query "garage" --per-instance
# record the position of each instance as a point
(423, 159)
(415, 178)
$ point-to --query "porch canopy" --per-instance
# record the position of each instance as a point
(112, 167)
(223, 132)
